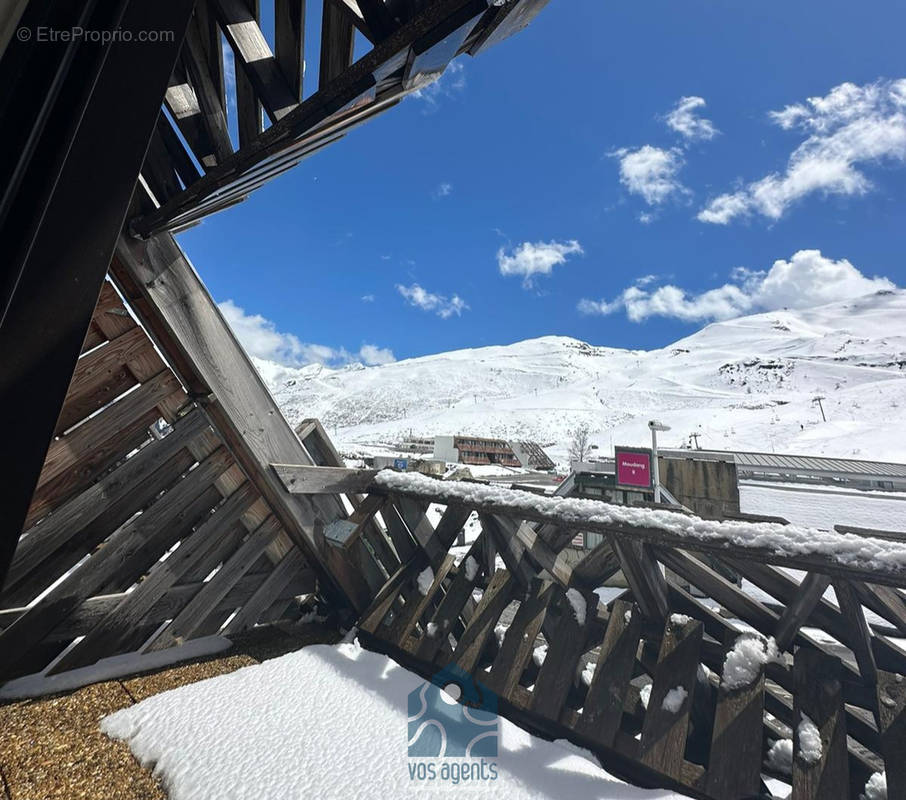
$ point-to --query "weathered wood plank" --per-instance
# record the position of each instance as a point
(603, 708)
(199, 607)
(734, 766)
(793, 618)
(299, 479)
(892, 726)
(211, 144)
(289, 42)
(110, 501)
(665, 729)
(494, 600)
(290, 567)
(374, 615)
(860, 638)
(649, 589)
(404, 625)
(457, 599)
(558, 670)
(398, 532)
(110, 632)
(519, 641)
(253, 56)
(819, 697)
(141, 540)
(101, 432)
(510, 18)
(432, 53)
(337, 41)
(177, 309)
(102, 376)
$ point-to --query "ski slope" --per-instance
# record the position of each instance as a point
(747, 383)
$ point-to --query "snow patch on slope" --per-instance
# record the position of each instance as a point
(746, 383)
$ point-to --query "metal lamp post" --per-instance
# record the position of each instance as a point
(656, 426)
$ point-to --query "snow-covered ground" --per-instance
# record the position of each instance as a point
(824, 507)
(747, 384)
(330, 722)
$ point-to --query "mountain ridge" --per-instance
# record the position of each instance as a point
(746, 383)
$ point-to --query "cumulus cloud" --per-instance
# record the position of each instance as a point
(850, 127)
(260, 338)
(443, 190)
(683, 118)
(807, 279)
(535, 258)
(444, 307)
(651, 172)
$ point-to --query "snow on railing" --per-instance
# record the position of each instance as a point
(885, 557)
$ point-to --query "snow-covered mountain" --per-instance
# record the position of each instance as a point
(747, 383)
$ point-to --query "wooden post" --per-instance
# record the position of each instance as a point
(71, 210)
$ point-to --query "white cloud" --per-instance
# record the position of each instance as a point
(536, 258)
(372, 354)
(807, 279)
(260, 338)
(850, 127)
(443, 306)
(446, 84)
(684, 119)
(651, 172)
(443, 190)
(367, 298)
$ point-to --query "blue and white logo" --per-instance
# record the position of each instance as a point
(452, 717)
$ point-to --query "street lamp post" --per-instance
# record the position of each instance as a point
(656, 426)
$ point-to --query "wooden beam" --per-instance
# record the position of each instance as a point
(505, 20)
(102, 499)
(337, 42)
(180, 314)
(140, 542)
(290, 566)
(643, 574)
(796, 613)
(526, 506)
(199, 607)
(382, 62)
(59, 244)
(818, 705)
(892, 727)
(253, 56)
(666, 726)
(121, 621)
(602, 711)
(289, 42)
(860, 640)
(323, 480)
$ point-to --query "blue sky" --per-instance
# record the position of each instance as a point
(604, 174)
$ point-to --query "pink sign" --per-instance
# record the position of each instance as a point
(633, 468)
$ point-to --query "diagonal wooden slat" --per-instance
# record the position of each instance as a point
(519, 640)
(187, 621)
(603, 708)
(120, 621)
(494, 600)
(253, 56)
(140, 541)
